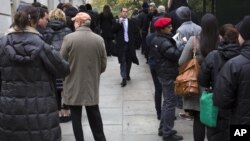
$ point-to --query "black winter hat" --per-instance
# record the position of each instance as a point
(71, 11)
(145, 5)
(82, 8)
(244, 28)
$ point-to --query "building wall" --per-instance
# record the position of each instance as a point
(10, 7)
(5, 16)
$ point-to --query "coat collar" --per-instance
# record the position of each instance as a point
(83, 28)
(245, 50)
(187, 23)
(27, 29)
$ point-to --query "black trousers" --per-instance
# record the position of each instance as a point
(95, 122)
(59, 101)
(126, 62)
(108, 44)
(158, 91)
(199, 129)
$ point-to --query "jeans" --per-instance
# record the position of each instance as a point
(95, 122)
(168, 107)
(126, 62)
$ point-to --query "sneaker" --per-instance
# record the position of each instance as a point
(173, 138)
(185, 116)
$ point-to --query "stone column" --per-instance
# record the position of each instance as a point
(50, 4)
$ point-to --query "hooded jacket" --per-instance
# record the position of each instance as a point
(58, 31)
(214, 61)
(233, 85)
(208, 73)
(28, 109)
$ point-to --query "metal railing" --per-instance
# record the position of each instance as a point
(4, 14)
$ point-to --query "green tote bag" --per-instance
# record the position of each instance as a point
(208, 112)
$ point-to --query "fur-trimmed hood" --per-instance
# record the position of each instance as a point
(22, 45)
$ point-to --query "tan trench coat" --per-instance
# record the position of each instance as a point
(85, 52)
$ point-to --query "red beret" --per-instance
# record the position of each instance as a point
(162, 22)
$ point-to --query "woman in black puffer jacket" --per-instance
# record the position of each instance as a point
(28, 110)
(58, 27)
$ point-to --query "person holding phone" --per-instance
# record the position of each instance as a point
(125, 31)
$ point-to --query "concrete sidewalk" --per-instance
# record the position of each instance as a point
(128, 113)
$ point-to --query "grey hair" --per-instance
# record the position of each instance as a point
(161, 9)
(87, 23)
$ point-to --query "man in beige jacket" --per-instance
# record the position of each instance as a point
(85, 52)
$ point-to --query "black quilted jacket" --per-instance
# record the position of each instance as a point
(166, 56)
(28, 109)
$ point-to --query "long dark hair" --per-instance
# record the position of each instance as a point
(209, 36)
(26, 17)
(106, 10)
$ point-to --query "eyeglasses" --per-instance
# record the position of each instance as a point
(169, 26)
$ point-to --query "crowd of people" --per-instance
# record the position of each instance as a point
(51, 63)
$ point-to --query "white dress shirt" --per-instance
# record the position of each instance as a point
(125, 27)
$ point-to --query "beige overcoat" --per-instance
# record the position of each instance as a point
(85, 52)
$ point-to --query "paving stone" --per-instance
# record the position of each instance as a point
(112, 133)
(143, 125)
(110, 116)
(111, 101)
(138, 95)
(141, 138)
(139, 108)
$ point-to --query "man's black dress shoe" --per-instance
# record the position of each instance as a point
(128, 78)
(173, 138)
(173, 133)
(123, 83)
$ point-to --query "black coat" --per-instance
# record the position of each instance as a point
(106, 23)
(46, 33)
(166, 55)
(58, 31)
(207, 75)
(94, 25)
(214, 61)
(28, 109)
(233, 85)
(119, 37)
(144, 21)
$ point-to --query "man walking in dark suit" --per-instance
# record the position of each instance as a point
(125, 31)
